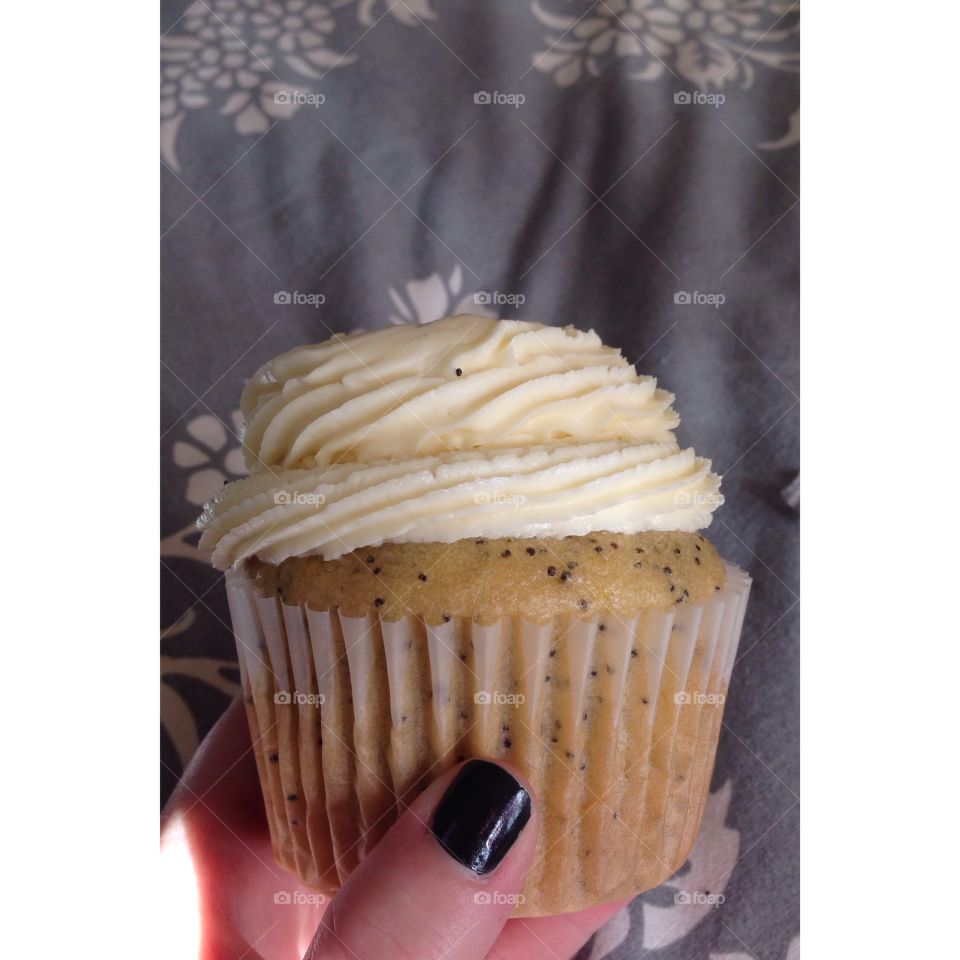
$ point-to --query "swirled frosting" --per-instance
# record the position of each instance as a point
(466, 427)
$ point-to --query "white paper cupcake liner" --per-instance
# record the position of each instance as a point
(613, 721)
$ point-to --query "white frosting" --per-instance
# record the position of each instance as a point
(375, 437)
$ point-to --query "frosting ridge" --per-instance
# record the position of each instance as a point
(465, 427)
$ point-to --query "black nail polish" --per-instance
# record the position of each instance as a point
(481, 815)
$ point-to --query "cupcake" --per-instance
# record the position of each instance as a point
(477, 538)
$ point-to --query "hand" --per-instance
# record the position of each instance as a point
(412, 898)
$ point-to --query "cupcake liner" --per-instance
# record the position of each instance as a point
(614, 722)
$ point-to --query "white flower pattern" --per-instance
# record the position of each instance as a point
(789, 139)
(425, 300)
(611, 935)
(252, 59)
(239, 55)
(710, 43)
(214, 466)
(409, 12)
(708, 870)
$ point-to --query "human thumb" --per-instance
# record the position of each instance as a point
(444, 879)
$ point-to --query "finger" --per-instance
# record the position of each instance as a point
(444, 879)
(218, 869)
(222, 772)
(217, 810)
(551, 938)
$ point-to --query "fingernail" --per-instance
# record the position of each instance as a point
(481, 815)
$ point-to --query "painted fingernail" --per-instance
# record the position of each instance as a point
(481, 815)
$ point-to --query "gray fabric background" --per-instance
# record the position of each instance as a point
(597, 200)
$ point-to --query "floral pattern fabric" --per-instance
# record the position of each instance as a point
(710, 43)
(627, 165)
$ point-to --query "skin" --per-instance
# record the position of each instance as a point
(408, 900)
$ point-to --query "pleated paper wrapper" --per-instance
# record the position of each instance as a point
(614, 722)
